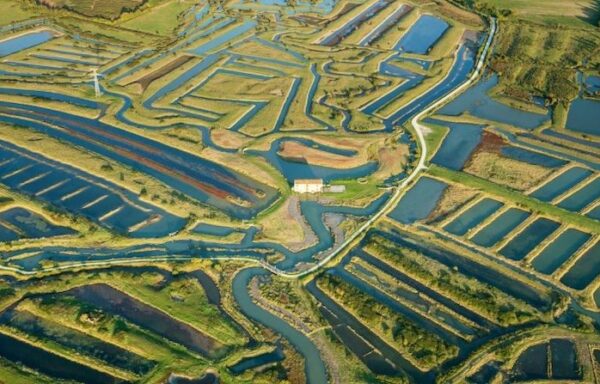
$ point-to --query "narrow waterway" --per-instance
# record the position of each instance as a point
(314, 366)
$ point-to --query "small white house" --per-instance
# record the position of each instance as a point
(308, 186)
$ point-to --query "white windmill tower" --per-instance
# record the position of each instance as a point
(96, 82)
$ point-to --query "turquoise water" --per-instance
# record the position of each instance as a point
(464, 64)
(419, 201)
(20, 43)
(529, 238)
(532, 364)
(585, 270)
(582, 198)
(499, 227)
(293, 169)
(18, 351)
(473, 216)
(458, 144)
(7, 234)
(21, 171)
(213, 230)
(257, 361)
(478, 103)
(314, 366)
(532, 157)
(561, 184)
(411, 80)
(557, 252)
(224, 38)
(594, 213)
(592, 83)
(564, 362)
(584, 116)
(422, 35)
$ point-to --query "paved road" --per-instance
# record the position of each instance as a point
(398, 190)
(420, 132)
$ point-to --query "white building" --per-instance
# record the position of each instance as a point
(308, 186)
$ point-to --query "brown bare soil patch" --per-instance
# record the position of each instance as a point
(294, 151)
(391, 160)
(148, 79)
(228, 139)
(455, 197)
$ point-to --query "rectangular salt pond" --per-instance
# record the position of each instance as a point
(419, 201)
(458, 145)
(24, 41)
(594, 213)
(529, 238)
(532, 157)
(584, 115)
(224, 38)
(473, 216)
(585, 270)
(582, 198)
(561, 184)
(424, 33)
(559, 251)
(500, 227)
(564, 360)
(477, 102)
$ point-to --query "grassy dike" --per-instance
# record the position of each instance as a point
(562, 215)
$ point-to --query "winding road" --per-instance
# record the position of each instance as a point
(399, 189)
(390, 204)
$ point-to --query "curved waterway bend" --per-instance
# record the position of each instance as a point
(314, 367)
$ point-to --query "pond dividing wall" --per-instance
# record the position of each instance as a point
(30, 225)
(585, 269)
(552, 360)
(500, 227)
(561, 183)
(82, 194)
(582, 198)
(473, 216)
(21, 352)
(388, 23)
(76, 341)
(559, 251)
(525, 241)
(192, 175)
(531, 157)
(117, 302)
